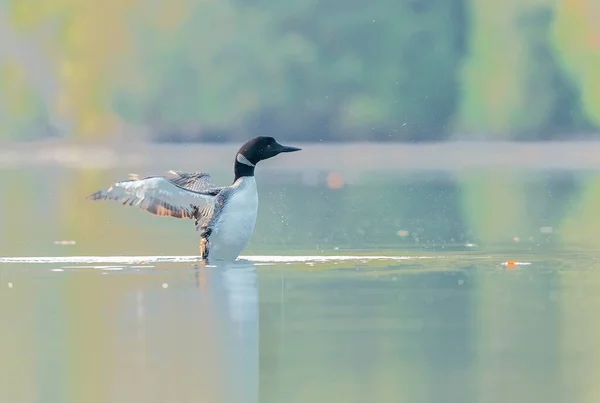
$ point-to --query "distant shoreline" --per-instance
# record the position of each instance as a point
(457, 155)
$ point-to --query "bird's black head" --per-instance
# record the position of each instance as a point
(262, 148)
(255, 150)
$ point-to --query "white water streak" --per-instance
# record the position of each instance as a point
(186, 259)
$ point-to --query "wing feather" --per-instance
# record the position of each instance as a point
(159, 196)
(196, 181)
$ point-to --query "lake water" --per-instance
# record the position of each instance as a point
(413, 286)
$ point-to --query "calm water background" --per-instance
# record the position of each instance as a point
(450, 321)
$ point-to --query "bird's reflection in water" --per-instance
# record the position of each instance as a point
(236, 290)
(193, 340)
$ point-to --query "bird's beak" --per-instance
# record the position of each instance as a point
(288, 149)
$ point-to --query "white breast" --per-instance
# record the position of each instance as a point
(236, 221)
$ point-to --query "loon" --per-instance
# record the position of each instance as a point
(225, 216)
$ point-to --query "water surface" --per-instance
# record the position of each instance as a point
(413, 286)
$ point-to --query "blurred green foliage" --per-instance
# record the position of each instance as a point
(328, 70)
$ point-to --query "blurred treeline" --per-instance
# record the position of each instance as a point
(310, 70)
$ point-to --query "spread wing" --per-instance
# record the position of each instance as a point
(160, 196)
(196, 181)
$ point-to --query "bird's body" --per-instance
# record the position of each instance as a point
(224, 216)
(234, 224)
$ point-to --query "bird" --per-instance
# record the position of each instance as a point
(225, 216)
